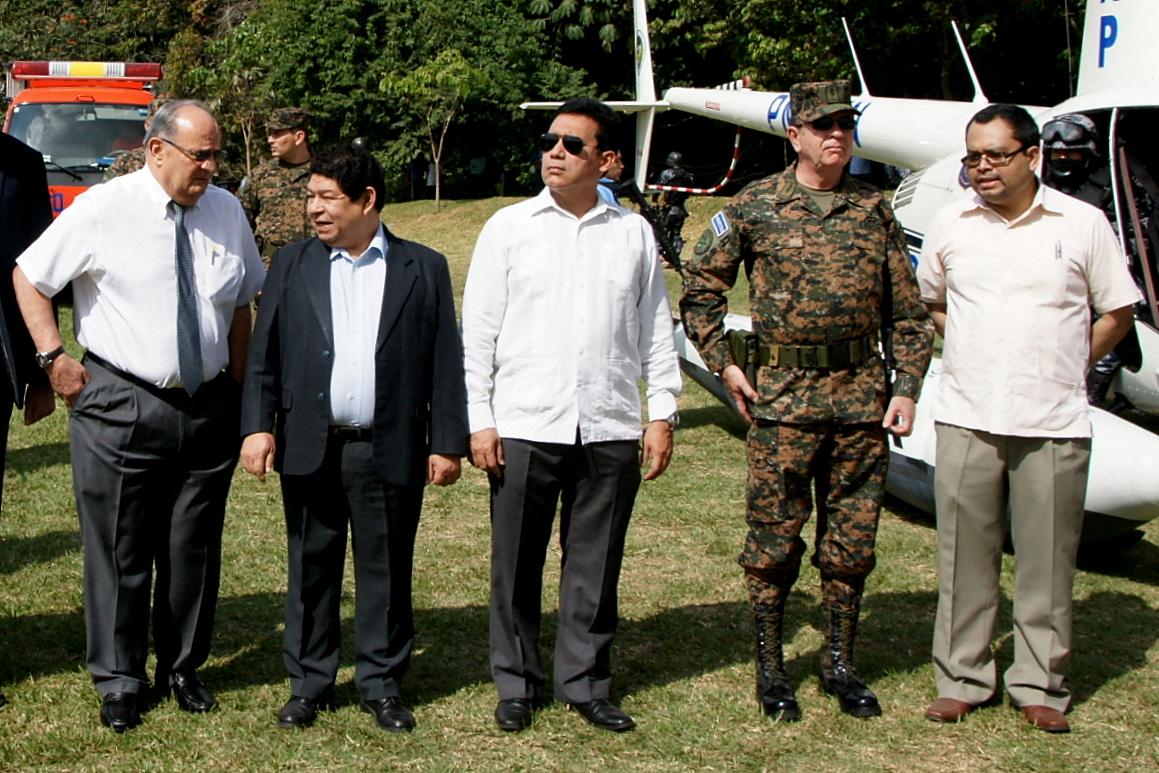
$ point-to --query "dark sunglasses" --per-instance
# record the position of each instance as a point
(571, 143)
(825, 123)
(196, 156)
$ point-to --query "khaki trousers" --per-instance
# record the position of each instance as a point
(1043, 480)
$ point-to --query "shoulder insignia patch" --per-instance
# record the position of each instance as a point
(720, 224)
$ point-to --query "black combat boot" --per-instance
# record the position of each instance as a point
(773, 689)
(837, 674)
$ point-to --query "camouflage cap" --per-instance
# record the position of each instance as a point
(810, 101)
(288, 118)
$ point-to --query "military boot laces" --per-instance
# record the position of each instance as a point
(774, 692)
(837, 675)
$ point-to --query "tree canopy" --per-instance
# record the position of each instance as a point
(390, 70)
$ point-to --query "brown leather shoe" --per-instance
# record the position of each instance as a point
(948, 710)
(1046, 718)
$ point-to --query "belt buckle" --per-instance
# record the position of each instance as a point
(807, 356)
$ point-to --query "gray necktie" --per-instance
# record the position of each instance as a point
(188, 331)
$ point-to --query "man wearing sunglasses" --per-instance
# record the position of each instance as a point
(163, 266)
(817, 246)
(564, 312)
(1009, 275)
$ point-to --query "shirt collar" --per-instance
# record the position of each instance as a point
(157, 194)
(1042, 198)
(544, 201)
(376, 250)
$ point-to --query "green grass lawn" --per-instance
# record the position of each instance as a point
(682, 661)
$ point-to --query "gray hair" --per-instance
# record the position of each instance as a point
(165, 121)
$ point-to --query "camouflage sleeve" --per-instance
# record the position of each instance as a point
(711, 272)
(249, 200)
(913, 331)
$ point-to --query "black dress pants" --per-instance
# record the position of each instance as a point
(383, 522)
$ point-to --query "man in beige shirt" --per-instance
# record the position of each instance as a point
(1009, 275)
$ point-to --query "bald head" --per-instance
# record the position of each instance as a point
(184, 147)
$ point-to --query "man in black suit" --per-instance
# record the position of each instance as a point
(354, 392)
(24, 213)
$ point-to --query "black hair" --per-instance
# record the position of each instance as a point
(606, 119)
(1020, 122)
(354, 168)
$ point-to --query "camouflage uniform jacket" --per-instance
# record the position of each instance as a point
(814, 278)
(127, 163)
(274, 200)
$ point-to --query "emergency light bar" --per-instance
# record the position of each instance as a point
(144, 71)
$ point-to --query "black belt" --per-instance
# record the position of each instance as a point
(352, 434)
(835, 356)
(127, 376)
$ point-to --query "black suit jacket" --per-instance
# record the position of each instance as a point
(24, 213)
(420, 402)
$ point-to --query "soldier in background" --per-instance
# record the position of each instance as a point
(274, 194)
(1074, 167)
(130, 161)
(671, 203)
(819, 248)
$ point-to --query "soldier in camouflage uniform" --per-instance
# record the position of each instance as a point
(815, 244)
(131, 160)
(274, 195)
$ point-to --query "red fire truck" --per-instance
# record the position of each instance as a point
(79, 115)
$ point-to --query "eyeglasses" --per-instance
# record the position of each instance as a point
(197, 156)
(571, 143)
(993, 157)
(826, 122)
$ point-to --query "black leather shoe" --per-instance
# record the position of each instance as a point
(119, 711)
(301, 712)
(605, 715)
(390, 714)
(514, 714)
(191, 693)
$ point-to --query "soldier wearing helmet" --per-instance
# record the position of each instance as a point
(672, 203)
(1071, 146)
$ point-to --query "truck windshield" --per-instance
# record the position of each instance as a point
(79, 134)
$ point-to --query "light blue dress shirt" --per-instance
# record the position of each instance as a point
(356, 289)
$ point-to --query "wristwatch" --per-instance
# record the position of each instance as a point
(44, 359)
(673, 421)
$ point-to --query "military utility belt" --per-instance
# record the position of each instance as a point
(835, 356)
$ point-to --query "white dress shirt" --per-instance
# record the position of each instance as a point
(562, 317)
(356, 288)
(1017, 297)
(116, 245)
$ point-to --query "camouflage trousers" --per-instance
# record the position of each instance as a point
(844, 466)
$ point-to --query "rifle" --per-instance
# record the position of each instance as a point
(653, 217)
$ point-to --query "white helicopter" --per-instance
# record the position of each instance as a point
(1115, 89)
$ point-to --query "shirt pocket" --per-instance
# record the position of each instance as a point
(219, 279)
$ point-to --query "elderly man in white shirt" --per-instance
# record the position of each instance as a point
(564, 312)
(163, 266)
(1009, 275)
